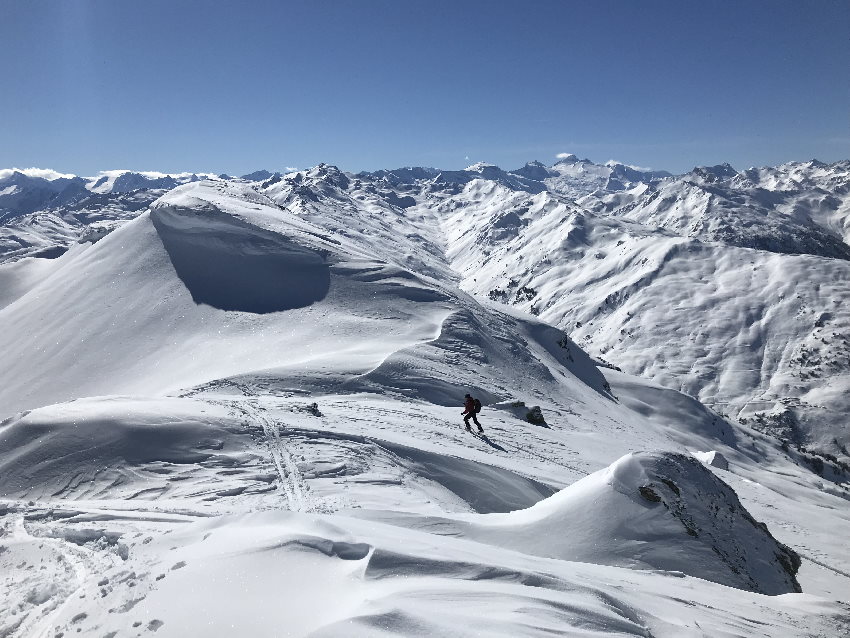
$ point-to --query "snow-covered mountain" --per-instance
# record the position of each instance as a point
(22, 193)
(234, 406)
(707, 282)
(43, 212)
(29, 190)
(753, 266)
(575, 177)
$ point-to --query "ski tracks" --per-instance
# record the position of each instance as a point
(292, 482)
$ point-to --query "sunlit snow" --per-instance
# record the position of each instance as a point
(233, 407)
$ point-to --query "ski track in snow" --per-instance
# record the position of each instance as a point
(291, 481)
(834, 570)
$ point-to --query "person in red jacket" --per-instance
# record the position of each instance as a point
(470, 408)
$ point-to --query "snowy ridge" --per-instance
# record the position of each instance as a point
(244, 401)
(642, 499)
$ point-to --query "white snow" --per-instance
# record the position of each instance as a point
(645, 282)
(238, 413)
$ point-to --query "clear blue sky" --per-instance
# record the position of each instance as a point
(231, 87)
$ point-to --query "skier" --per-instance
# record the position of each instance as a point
(471, 407)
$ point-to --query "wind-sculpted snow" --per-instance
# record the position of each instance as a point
(469, 347)
(274, 506)
(661, 511)
(234, 266)
(122, 295)
(239, 412)
(18, 277)
(225, 264)
(92, 449)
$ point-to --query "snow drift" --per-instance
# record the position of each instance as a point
(651, 510)
(115, 447)
(232, 265)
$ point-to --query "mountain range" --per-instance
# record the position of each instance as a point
(234, 403)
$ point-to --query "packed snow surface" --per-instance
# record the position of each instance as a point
(237, 412)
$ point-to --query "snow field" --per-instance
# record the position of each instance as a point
(179, 462)
(195, 551)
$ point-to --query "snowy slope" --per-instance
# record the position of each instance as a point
(792, 209)
(811, 189)
(43, 212)
(244, 402)
(760, 330)
(48, 233)
(648, 500)
(179, 512)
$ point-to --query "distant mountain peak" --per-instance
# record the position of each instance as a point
(568, 158)
(535, 170)
(480, 167)
(259, 176)
(717, 171)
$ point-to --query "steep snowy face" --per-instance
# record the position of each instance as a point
(612, 272)
(751, 265)
(221, 263)
(813, 190)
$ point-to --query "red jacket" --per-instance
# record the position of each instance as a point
(469, 406)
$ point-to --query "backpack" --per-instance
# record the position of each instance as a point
(476, 405)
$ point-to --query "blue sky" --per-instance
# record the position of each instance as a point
(232, 87)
